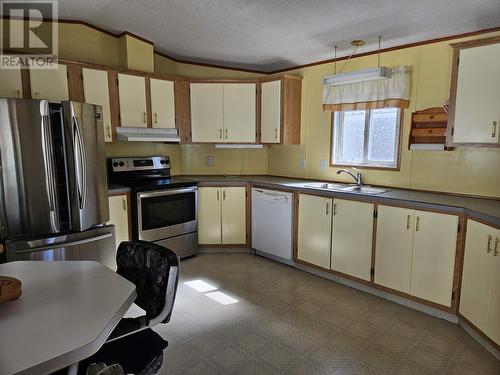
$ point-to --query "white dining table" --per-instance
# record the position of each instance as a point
(65, 314)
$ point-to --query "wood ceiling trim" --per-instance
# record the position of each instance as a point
(320, 62)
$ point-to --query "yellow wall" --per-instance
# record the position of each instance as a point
(468, 171)
(164, 65)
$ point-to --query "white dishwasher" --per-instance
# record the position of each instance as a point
(272, 224)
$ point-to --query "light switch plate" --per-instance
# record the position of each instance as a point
(323, 164)
(211, 160)
(302, 164)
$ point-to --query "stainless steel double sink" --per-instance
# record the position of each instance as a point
(364, 189)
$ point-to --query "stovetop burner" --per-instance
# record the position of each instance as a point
(144, 173)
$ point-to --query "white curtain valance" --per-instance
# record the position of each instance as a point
(391, 92)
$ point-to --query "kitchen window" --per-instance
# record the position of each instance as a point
(366, 138)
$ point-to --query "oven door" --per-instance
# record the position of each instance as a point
(167, 213)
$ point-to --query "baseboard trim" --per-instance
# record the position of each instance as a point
(481, 340)
(225, 250)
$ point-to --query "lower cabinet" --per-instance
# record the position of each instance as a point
(119, 217)
(352, 238)
(336, 234)
(480, 296)
(314, 230)
(415, 252)
(222, 215)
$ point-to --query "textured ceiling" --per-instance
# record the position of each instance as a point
(269, 35)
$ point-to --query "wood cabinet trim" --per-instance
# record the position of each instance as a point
(478, 331)
(114, 103)
(26, 83)
(149, 114)
(75, 83)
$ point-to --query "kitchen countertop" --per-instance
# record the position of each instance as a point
(115, 189)
(479, 208)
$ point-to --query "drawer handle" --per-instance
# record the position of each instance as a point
(408, 222)
(220, 133)
(156, 118)
(275, 133)
(493, 129)
(218, 198)
(417, 227)
(327, 211)
(224, 194)
(144, 117)
(108, 131)
(488, 248)
(334, 209)
(226, 133)
(18, 94)
(497, 240)
(124, 204)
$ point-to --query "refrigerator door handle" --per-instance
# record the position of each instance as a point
(49, 169)
(80, 163)
(66, 244)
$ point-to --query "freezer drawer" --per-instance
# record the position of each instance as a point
(96, 244)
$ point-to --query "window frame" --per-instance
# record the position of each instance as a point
(395, 168)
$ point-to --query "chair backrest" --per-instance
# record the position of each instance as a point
(154, 270)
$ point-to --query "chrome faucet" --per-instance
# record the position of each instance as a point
(358, 177)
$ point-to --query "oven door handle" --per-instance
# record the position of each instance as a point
(166, 192)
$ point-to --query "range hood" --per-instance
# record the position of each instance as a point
(170, 135)
(370, 74)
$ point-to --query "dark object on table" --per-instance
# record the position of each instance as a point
(10, 289)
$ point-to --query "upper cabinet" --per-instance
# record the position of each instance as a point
(11, 83)
(132, 98)
(96, 91)
(270, 112)
(162, 103)
(239, 112)
(475, 94)
(51, 84)
(281, 110)
(207, 113)
(223, 112)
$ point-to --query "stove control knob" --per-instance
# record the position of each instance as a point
(122, 164)
(162, 161)
(115, 164)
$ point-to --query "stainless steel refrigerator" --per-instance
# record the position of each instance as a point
(53, 186)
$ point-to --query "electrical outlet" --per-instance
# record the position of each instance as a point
(323, 164)
(211, 161)
(302, 163)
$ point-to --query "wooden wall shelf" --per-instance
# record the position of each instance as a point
(428, 127)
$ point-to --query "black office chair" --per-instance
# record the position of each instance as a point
(154, 270)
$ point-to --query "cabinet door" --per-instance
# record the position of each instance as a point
(51, 84)
(239, 112)
(476, 274)
(352, 238)
(394, 247)
(314, 230)
(207, 112)
(96, 91)
(209, 215)
(118, 216)
(162, 103)
(433, 259)
(477, 112)
(271, 112)
(132, 95)
(10, 83)
(493, 324)
(234, 229)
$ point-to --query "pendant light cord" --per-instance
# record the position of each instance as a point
(378, 58)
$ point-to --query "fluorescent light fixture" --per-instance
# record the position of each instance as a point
(200, 286)
(370, 74)
(238, 146)
(222, 298)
